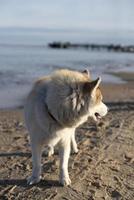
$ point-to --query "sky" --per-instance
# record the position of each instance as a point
(68, 14)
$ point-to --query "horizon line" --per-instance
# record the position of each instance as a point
(66, 28)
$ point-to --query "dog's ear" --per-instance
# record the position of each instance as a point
(90, 87)
(86, 73)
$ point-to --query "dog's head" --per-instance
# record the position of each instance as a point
(89, 97)
(97, 109)
(76, 96)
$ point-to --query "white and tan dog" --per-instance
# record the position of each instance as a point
(54, 108)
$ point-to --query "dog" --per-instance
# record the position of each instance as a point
(54, 108)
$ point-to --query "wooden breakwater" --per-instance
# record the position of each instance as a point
(108, 47)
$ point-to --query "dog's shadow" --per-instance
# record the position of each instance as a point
(23, 182)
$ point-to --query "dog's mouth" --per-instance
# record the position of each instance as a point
(97, 116)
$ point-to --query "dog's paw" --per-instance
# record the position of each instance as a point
(50, 151)
(33, 180)
(65, 181)
(75, 150)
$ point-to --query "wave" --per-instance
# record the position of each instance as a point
(12, 78)
(22, 45)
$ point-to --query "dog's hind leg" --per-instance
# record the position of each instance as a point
(64, 157)
(36, 161)
(74, 144)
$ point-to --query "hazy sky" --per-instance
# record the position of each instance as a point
(83, 14)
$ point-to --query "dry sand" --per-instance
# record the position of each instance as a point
(102, 169)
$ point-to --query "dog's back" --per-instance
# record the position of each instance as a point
(51, 94)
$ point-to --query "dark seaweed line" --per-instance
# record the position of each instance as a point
(120, 105)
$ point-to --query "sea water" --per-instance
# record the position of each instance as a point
(25, 56)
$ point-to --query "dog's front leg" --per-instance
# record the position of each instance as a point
(64, 157)
(36, 161)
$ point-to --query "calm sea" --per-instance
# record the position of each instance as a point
(24, 56)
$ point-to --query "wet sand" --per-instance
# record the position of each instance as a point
(125, 76)
(102, 169)
(118, 92)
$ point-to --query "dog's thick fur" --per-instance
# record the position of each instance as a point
(54, 108)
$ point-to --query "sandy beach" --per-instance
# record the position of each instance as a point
(40, 37)
(102, 169)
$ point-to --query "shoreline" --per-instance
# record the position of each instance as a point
(124, 75)
(122, 91)
(118, 92)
